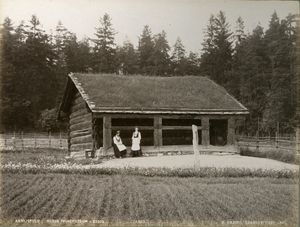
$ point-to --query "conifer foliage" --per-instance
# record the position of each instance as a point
(258, 68)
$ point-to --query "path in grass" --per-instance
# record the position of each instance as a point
(128, 198)
(189, 161)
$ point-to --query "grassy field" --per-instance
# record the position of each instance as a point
(40, 156)
(152, 199)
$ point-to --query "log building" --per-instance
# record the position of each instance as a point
(164, 109)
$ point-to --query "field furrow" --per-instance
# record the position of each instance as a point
(40, 201)
(100, 197)
(11, 195)
(16, 208)
(57, 209)
(75, 197)
(121, 198)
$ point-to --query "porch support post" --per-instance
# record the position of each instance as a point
(157, 131)
(231, 131)
(107, 140)
(205, 131)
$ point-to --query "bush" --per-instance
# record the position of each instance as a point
(74, 168)
(279, 155)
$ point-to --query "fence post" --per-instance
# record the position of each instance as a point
(277, 129)
(257, 144)
(60, 143)
(277, 135)
(22, 140)
(258, 127)
(257, 136)
(49, 139)
(34, 140)
(14, 140)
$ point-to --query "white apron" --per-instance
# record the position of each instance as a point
(136, 140)
(119, 144)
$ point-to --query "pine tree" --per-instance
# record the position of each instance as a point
(37, 67)
(251, 69)
(193, 64)
(127, 59)
(105, 47)
(217, 49)
(280, 48)
(8, 95)
(240, 31)
(60, 65)
(179, 60)
(235, 78)
(160, 56)
(78, 55)
(145, 50)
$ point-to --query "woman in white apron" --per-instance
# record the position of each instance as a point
(136, 141)
(119, 148)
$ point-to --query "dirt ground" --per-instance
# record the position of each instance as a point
(191, 161)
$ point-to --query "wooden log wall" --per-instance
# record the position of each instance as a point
(80, 125)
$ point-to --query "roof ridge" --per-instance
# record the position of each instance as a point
(136, 75)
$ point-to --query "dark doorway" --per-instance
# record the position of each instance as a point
(179, 136)
(218, 132)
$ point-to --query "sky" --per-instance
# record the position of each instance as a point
(186, 19)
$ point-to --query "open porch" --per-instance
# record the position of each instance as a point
(166, 133)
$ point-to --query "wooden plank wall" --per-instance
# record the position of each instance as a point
(80, 125)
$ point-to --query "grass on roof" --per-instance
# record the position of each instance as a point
(144, 92)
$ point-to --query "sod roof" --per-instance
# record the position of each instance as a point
(152, 94)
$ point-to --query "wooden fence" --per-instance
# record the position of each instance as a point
(287, 143)
(59, 141)
(33, 140)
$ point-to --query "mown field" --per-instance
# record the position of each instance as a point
(152, 199)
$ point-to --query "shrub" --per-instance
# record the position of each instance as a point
(75, 168)
(280, 155)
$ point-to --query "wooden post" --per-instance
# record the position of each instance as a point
(158, 132)
(34, 140)
(205, 131)
(297, 140)
(258, 128)
(277, 135)
(230, 131)
(69, 140)
(22, 140)
(49, 139)
(195, 140)
(107, 137)
(14, 139)
(60, 142)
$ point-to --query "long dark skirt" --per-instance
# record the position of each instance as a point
(116, 151)
(123, 153)
(136, 153)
